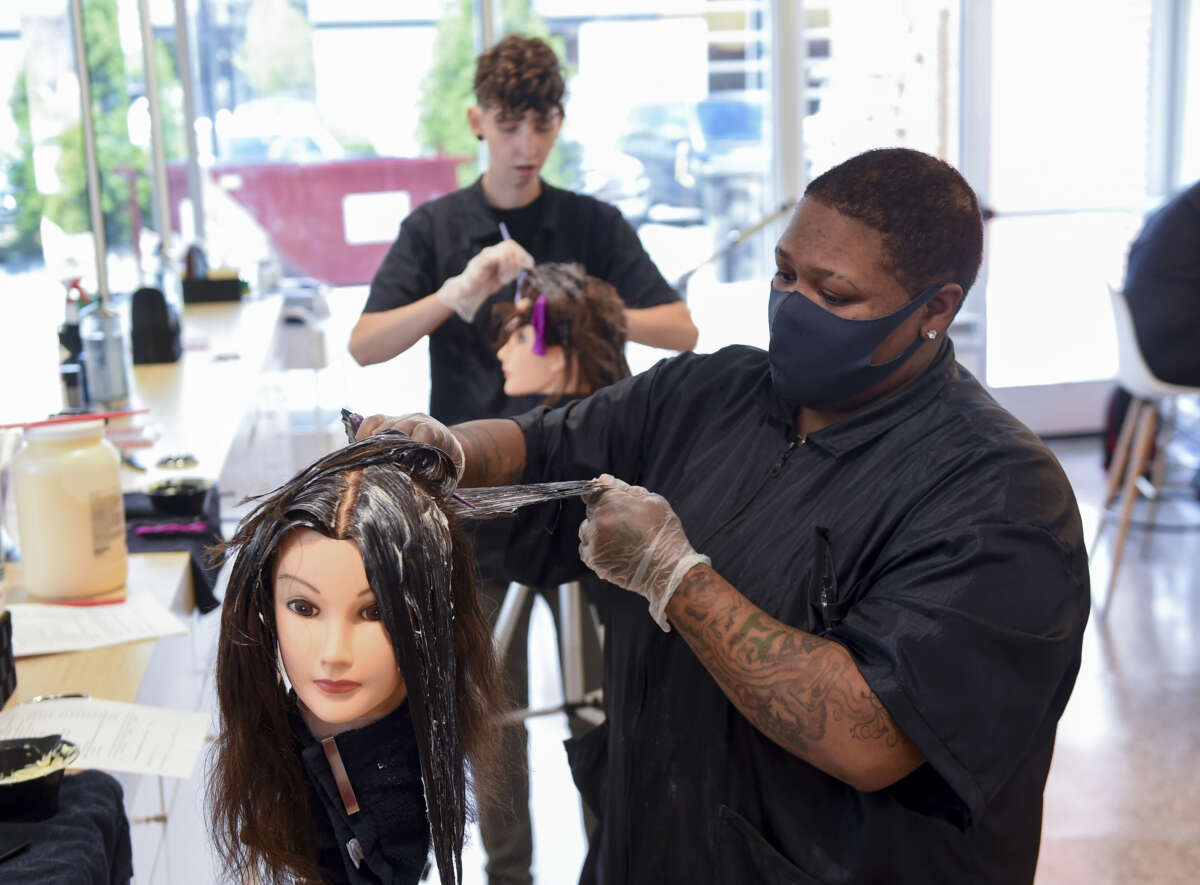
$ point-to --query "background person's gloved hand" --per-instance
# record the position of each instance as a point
(633, 539)
(420, 427)
(489, 270)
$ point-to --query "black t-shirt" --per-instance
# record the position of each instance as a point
(522, 224)
(932, 535)
(438, 239)
(1162, 287)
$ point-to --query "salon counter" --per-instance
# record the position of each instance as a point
(197, 403)
(115, 672)
(196, 407)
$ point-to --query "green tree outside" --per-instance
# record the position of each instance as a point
(448, 90)
(19, 172)
(110, 104)
(277, 53)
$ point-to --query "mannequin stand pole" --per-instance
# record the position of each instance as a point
(572, 609)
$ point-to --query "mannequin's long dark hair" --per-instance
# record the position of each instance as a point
(390, 495)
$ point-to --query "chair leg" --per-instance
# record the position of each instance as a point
(1147, 426)
(1158, 470)
(1120, 457)
(1118, 464)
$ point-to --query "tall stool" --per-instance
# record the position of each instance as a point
(1139, 433)
(573, 608)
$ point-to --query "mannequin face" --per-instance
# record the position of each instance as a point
(336, 653)
(526, 372)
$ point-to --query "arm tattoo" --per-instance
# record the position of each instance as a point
(798, 689)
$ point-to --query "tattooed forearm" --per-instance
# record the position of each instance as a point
(802, 691)
(494, 450)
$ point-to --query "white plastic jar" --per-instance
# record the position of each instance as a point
(70, 514)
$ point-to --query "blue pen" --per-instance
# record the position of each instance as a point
(504, 234)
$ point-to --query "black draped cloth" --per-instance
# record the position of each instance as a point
(390, 832)
(139, 511)
(932, 535)
(86, 842)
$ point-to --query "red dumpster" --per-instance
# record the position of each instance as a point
(331, 220)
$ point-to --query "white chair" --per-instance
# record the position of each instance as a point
(1139, 433)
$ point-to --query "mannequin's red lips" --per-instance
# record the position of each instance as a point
(340, 686)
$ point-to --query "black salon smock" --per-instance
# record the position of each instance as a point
(932, 535)
(391, 828)
(438, 239)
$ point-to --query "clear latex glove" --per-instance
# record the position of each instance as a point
(633, 538)
(422, 428)
(492, 268)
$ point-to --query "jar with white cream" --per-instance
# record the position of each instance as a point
(70, 513)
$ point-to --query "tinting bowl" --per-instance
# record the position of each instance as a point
(179, 497)
(31, 770)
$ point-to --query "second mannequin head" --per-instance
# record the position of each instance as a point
(565, 336)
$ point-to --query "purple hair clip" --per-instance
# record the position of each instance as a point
(537, 319)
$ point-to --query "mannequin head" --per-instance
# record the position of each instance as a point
(354, 581)
(565, 336)
(336, 654)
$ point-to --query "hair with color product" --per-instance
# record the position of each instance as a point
(392, 496)
(584, 316)
(928, 215)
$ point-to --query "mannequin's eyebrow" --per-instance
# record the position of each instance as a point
(366, 591)
(283, 575)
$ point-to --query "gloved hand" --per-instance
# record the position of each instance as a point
(633, 538)
(422, 428)
(489, 270)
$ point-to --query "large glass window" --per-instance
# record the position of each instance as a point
(1068, 180)
(1189, 155)
(46, 234)
(885, 79)
(668, 119)
(310, 134)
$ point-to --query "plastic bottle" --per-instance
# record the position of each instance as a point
(104, 351)
(70, 513)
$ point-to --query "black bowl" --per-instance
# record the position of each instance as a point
(37, 797)
(179, 497)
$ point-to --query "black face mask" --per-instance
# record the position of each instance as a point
(818, 358)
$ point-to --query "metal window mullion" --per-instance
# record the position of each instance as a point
(183, 56)
(789, 87)
(974, 141)
(99, 244)
(162, 199)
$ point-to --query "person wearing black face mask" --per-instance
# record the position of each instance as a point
(867, 581)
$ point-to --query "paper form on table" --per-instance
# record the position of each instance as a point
(115, 736)
(40, 629)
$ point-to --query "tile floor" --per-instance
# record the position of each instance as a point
(1123, 799)
(1122, 803)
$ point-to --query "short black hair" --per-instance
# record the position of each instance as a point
(928, 215)
(520, 74)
